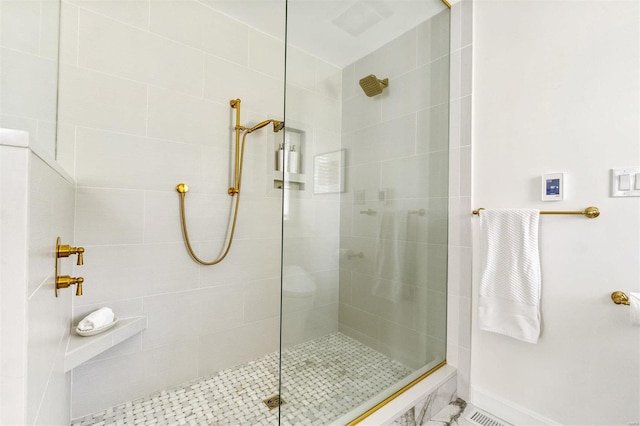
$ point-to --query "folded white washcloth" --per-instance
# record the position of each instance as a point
(96, 319)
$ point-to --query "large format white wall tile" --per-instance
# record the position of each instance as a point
(196, 25)
(261, 299)
(391, 60)
(93, 99)
(183, 118)
(109, 216)
(248, 260)
(48, 318)
(51, 203)
(266, 54)
(68, 33)
(224, 80)
(106, 159)
(432, 134)
(20, 27)
(238, 345)
(133, 278)
(174, 317)
(123, 378)
(134, 13)
(301, 68)
(49, 29)
(117, 49)
(28, 85)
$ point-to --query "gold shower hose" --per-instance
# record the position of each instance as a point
(183, 189)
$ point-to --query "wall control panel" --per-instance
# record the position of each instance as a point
(552, 187)
(625, 182)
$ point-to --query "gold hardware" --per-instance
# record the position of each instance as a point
(619, 298)
(66, 250)
(372, 85)
(234, 190)
(446, 3)
(273, 402)
(182, 188)
(65, 281)
(590, 212)
(381, 404)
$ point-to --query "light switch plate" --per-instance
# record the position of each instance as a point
(633, 179)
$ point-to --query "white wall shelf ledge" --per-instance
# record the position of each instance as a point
(81, 349)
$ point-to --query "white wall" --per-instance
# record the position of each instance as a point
(144, 105)
(398, 142)
(556, 89)
(37, 207)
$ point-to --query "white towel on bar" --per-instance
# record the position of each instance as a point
(510, 282)
(392, 256)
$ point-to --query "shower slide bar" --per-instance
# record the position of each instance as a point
(589, 212)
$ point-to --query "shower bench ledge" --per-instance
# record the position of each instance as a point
(81, 349)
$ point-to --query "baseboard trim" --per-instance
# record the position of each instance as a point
(507, 410)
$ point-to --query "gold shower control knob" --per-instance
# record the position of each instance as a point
(65, 281)
(65, 250)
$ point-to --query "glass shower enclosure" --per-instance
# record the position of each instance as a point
(333, 296)
(363, 166)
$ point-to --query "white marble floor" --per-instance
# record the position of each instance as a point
(321, 380)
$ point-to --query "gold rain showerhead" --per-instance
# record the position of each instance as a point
(372, 86)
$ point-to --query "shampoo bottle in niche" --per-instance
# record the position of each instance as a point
(293, 160)
(280, 158)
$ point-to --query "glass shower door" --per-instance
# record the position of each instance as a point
(365, 204)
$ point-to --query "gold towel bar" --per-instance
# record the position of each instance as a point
(590, 212)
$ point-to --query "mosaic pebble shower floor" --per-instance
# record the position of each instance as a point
(322, 380)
